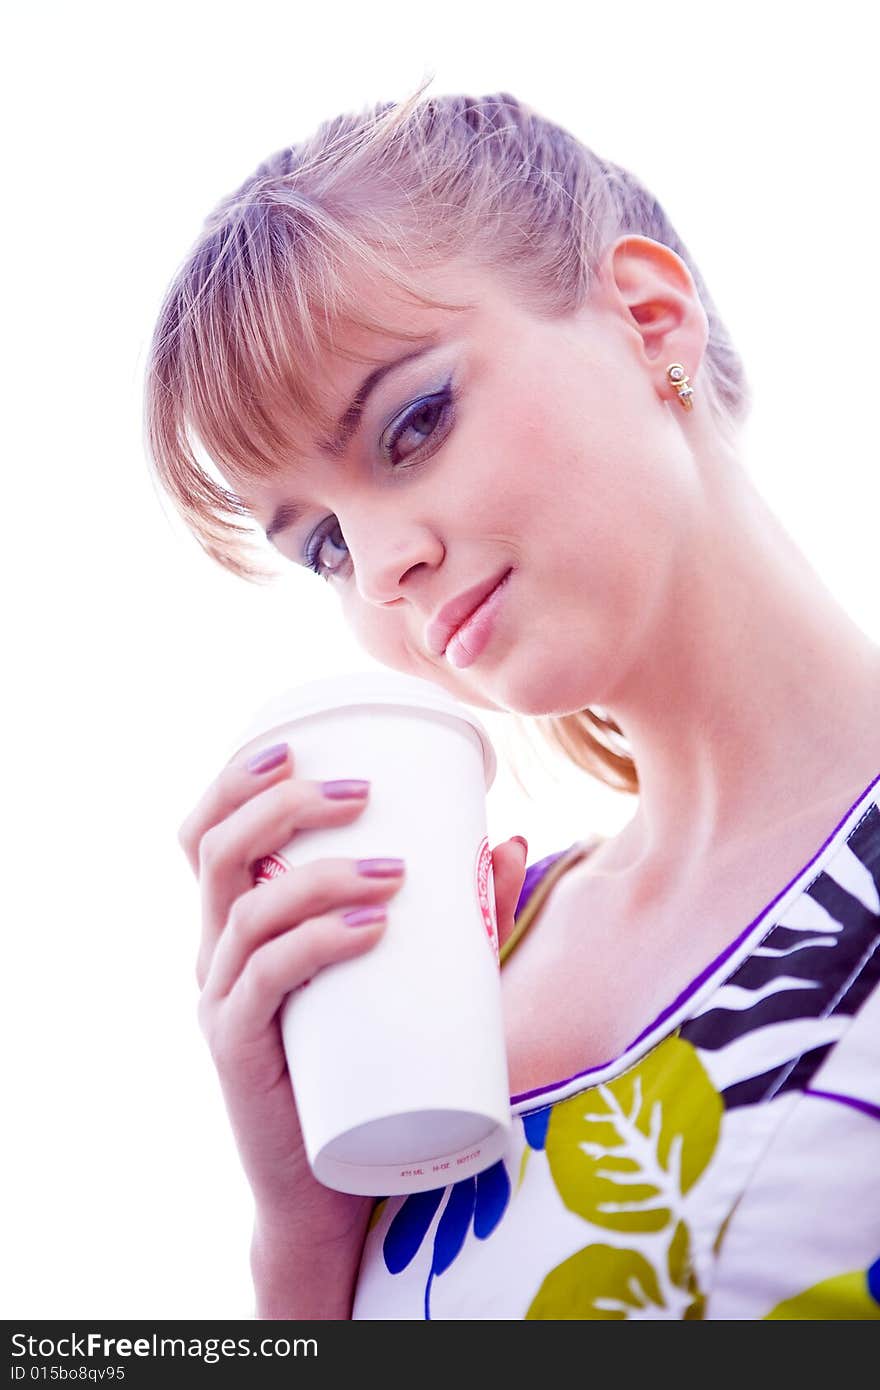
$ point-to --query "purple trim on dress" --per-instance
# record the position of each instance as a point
(534, 873)
(710, 969)
(866, 1106)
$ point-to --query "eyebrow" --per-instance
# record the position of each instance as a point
(289, 512)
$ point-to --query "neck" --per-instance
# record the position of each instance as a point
(759, 697)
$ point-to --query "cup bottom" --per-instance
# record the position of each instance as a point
(411, 1153)
(410, 1138)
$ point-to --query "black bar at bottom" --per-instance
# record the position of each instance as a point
(134, 1353)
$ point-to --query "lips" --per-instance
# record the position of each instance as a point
(452, 615)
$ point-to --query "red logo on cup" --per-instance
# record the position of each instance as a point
(486, 893)
(269, 867)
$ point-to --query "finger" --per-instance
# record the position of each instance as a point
(509, 862)
(273, 970)
(243, 777)
(260, 827)
(322, 887)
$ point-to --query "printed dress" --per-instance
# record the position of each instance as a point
(726, 1165)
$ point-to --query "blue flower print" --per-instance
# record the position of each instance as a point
(479, 1201)
(535, 1126)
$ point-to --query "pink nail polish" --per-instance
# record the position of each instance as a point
(363, 916)
(344, 790)
(379, 868)
(267, 758)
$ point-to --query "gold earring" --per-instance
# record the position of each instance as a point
(680, 383)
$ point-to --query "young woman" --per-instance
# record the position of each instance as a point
(442, 345)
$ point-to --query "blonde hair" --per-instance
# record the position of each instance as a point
(270, 286)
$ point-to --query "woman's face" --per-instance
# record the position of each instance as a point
(509, 444)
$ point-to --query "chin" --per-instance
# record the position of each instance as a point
(520, 682)
(535, 694)
(446, 677)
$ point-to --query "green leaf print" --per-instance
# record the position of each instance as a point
(845, 1298)
(599, 1282)
(681, 1270)
(376, 1213)
(522, 1166)
(679, 1255)
(622, 1155)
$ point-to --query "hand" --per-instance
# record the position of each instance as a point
(259, 942)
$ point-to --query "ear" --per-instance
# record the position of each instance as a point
(653, 290)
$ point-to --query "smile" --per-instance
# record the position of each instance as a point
(472, 638)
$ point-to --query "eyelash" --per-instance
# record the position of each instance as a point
(445, 400)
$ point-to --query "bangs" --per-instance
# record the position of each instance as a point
(237, 366)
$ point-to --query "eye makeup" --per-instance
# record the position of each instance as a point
(436, 407)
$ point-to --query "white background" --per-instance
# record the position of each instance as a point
(131, 659)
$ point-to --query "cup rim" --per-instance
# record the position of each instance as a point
(348, 690)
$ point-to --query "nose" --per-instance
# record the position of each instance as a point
(386, 558)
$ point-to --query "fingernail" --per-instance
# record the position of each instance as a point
(363, 916)
(267, 758)
(344, 790)
(379, 868)
(521, 840)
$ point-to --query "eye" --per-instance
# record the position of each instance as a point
(420, 423)
(315, 552)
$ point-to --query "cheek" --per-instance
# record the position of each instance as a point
(382, 637)
(585, 475)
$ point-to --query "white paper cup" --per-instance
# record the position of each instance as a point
(397, 1057)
